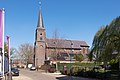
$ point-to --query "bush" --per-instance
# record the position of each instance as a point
(65, 72)
(114, 64)
(52, 70)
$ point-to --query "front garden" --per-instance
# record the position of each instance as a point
(89, 70)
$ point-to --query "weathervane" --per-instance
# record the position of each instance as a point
(40, 3)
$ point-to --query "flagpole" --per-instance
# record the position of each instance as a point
(8, 41)
(3, 12)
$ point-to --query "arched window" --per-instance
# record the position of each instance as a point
(41, 46)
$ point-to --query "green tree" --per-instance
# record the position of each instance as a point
(95, 52)
(106, 41)
(12, 50)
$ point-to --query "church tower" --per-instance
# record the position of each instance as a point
(40, 38)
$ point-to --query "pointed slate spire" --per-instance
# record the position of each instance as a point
(40, 19)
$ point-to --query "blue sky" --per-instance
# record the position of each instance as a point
(74, 19)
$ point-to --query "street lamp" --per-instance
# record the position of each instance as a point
(55, 43)
(71, 57)
(71, 51)
(45, 51)
(37, 63)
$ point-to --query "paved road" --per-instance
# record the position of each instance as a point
(34, 75)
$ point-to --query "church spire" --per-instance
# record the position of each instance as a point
(40, 19)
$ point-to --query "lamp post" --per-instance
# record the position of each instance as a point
(55, 43)
(70, 57)
(45, 53)
(37, 63)
(71, 51)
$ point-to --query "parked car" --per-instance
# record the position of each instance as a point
(33, 68)
(15, 71)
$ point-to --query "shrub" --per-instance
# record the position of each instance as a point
(52, 70)
(114, 64)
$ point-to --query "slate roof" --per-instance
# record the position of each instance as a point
(62, 43)
(40, 21)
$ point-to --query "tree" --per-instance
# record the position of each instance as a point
(106, 41)
(95, 45)
(58, 43)
(13, 53)
(12, 50)
(26, 51)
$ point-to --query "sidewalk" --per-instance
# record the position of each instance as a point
(59, 76)
(53, 74)
(21, 77)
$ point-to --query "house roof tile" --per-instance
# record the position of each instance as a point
(62, 43)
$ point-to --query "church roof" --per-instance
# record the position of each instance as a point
(40, 20)
(65, 44)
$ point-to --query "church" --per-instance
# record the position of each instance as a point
(55, 50)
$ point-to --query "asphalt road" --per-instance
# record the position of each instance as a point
(26, 74)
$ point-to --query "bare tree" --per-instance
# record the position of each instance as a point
(26, 51)
(58, 43)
